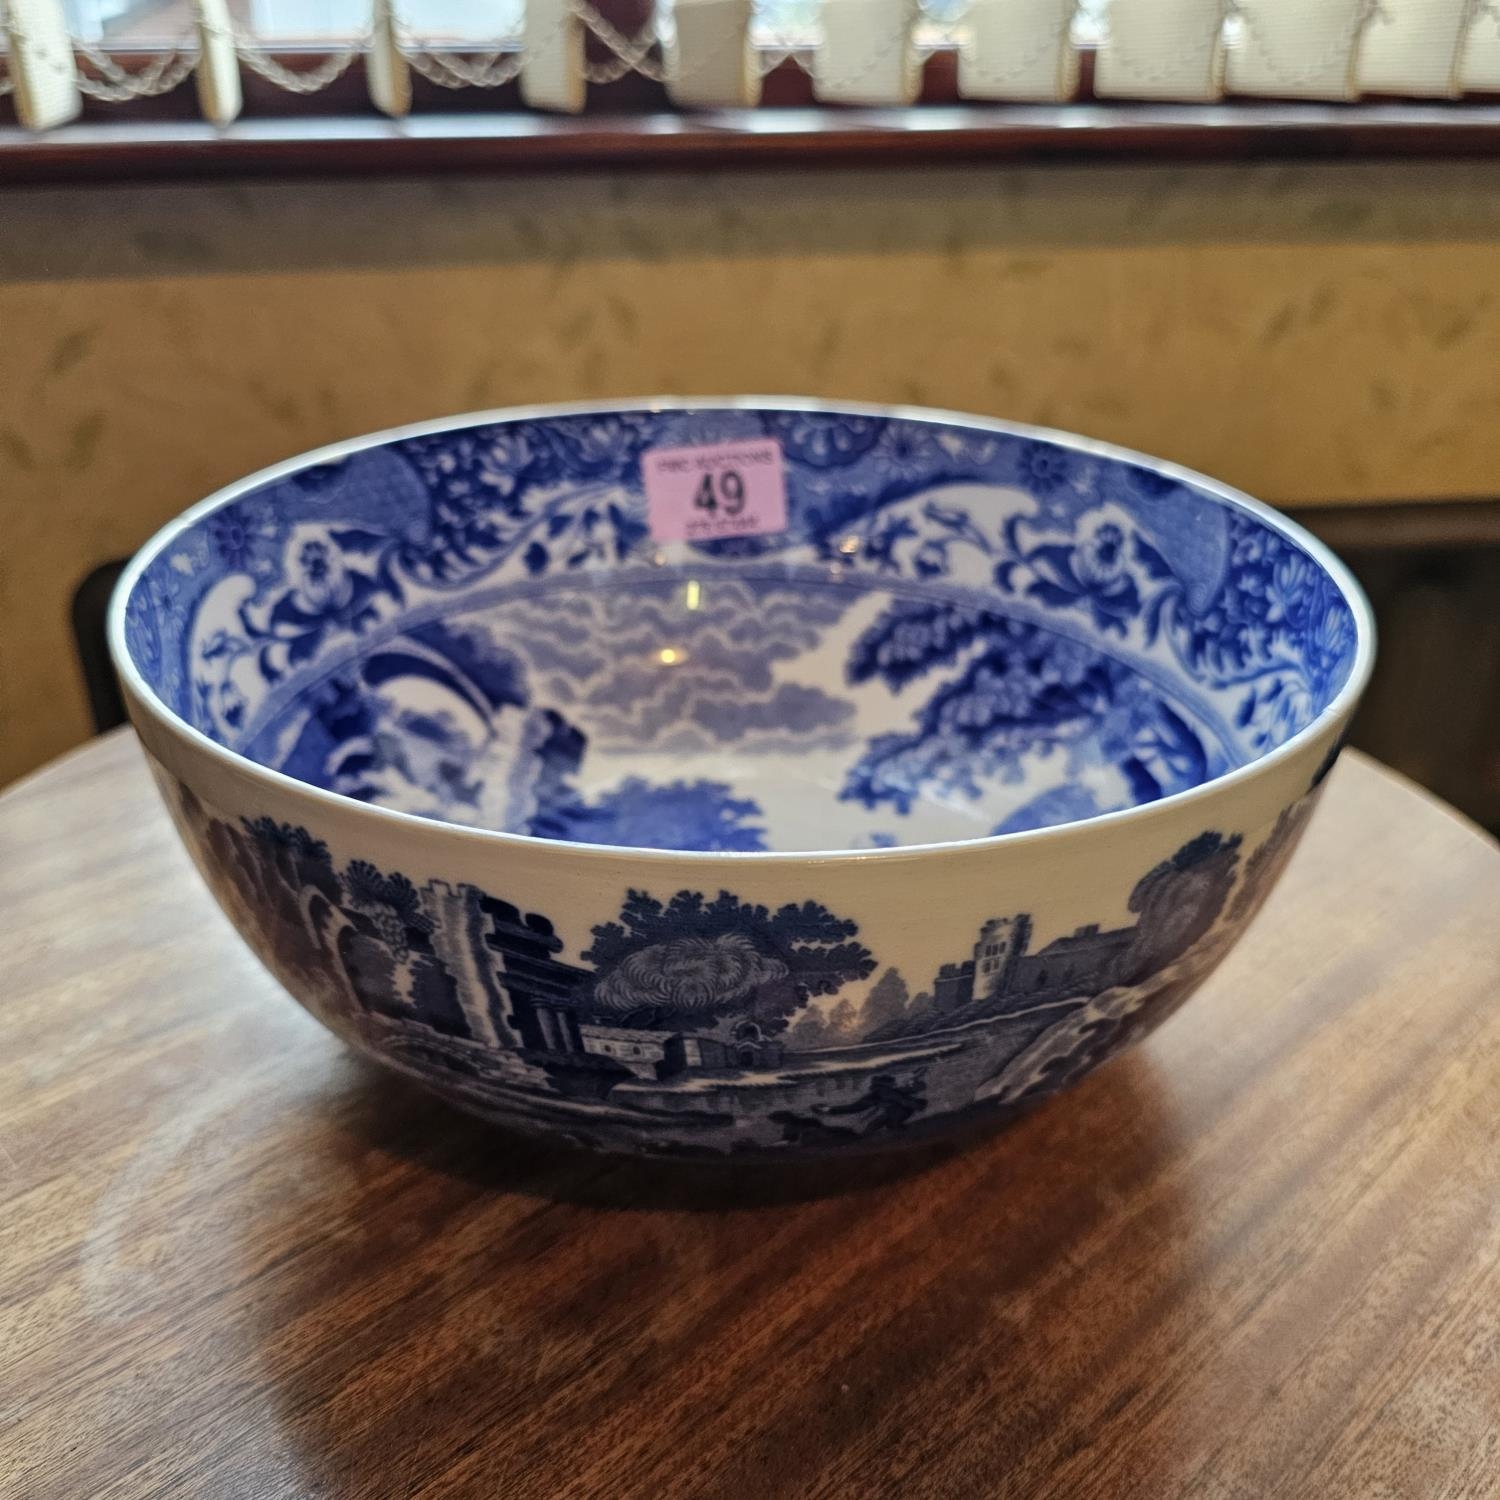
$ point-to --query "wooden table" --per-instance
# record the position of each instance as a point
(1258, 1257)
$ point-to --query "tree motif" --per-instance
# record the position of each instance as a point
(885, 1004)
(841, 1021)
(1179, 901)
(392, 903)
(1025, 689)
(691, 960)
(1263, 868)
(809, 1031)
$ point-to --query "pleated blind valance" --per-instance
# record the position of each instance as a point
(715, 53)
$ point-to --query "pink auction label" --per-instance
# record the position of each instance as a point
(736, 488)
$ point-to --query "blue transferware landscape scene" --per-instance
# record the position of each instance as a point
(696, 1023)
(962, 632)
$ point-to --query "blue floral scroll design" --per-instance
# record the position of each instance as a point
(486, 484)
(333, 550)
(1278, 627)
(1089, 573)
(547, 493)
(327, 591)
(844, 502)
(1265, 617)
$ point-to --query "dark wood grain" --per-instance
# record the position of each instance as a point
(1260, 1256)
(446, 139)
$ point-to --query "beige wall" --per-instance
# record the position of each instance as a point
(1309, 333)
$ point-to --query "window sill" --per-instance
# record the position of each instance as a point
(515, 142)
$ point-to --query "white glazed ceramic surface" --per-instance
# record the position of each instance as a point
(908, 814)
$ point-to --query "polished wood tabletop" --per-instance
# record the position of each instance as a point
(1257, 1257)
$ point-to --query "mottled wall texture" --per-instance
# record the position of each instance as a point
(1311, 333)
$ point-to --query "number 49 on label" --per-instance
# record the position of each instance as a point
(722, 491)
(715, 491)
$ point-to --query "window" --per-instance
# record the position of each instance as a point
(776, 23)
(135, 60)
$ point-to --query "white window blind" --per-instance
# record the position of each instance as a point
(1162, 49)
(1479, 52)
(217, 71)
(1019, 49)
(40, 57)
(867, 53)
(1291, 49)
(712, 60)
(553, 56)
(1413, 47)
(714, 53)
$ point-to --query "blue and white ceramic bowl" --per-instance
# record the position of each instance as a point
(907, 814)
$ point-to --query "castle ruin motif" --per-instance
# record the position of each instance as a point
(675, 1024)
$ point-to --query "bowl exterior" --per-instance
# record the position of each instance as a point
(721, 1005)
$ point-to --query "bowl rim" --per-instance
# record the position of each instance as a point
(140, 692)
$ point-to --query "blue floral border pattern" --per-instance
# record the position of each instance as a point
(337, 552)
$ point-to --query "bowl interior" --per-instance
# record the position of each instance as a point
(960, 631)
